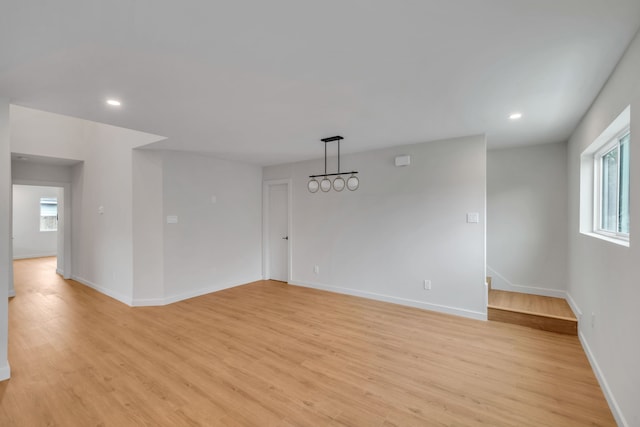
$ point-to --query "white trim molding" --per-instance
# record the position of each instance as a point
(477, 315)
(500, 283)
(108, 292)
(40, 255)
(604, 385)
(150, 302)
(153, 302)
(613, 404)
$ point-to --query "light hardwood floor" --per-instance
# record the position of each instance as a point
(534, 311)
(270, 354)
(534, 304)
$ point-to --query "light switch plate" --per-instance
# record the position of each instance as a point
(172, 219)
(473, 217)
(404, 160)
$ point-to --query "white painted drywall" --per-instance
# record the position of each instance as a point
(103, 242)
(604, 277)
(527, 219)
(29, 171)
(28, 240)
(6, 250)
(148, 228)
(402, 226)
(47, 134)
(213, 245)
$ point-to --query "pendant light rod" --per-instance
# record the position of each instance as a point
(338, 156)
(325, 174)
(325, 158)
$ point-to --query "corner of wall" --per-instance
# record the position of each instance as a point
(5, 371)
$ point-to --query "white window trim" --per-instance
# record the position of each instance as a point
(597, 188)
(589, 188)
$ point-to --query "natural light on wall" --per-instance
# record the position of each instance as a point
(604, 183)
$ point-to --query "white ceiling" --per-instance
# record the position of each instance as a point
(263, 81)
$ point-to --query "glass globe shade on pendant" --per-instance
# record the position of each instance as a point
(313, 185)
(353, 183)
(338, 184)
(325, 184)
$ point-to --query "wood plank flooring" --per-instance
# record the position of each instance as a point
(534, 304)
(534, 311)
(270, 354)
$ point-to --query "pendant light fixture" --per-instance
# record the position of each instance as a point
(339, 183)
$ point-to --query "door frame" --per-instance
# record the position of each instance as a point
(266, 194)
(66, 218)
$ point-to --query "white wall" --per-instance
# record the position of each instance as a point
(527, 219)
(603, 277)
(214, 245)
(46, 134)
(103, 242)
(28, 240)
(6, 250)
(39, 172)
(402, 226)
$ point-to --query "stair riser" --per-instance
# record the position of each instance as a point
(544, 323)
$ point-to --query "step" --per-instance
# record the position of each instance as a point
(534, 311)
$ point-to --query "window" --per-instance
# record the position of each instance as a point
(48, 214)
(612, 175)
(604, 183)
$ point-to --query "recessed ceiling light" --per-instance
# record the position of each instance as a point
(515, 116)
(113, 102)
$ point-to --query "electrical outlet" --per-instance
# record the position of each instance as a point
(316, 269)
(593, 319)
(427, 285)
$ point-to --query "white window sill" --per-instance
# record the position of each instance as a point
(609, 239)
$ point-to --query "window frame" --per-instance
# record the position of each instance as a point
(611, 144)
(47, 216)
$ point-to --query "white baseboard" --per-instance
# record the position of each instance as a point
(146, 302)
(574, 307)
(11, 293)
(39, 255)
(60, 272)
(108, 292)
(395, 300)
(500, 283)
(5, 371)
(613, 404)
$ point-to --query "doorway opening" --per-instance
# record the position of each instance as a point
(40, 227)
(277, 233)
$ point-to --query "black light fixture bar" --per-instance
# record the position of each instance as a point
(332, 138)
(325, 174)
(333, 174)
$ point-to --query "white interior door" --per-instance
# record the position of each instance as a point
(278, 232)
